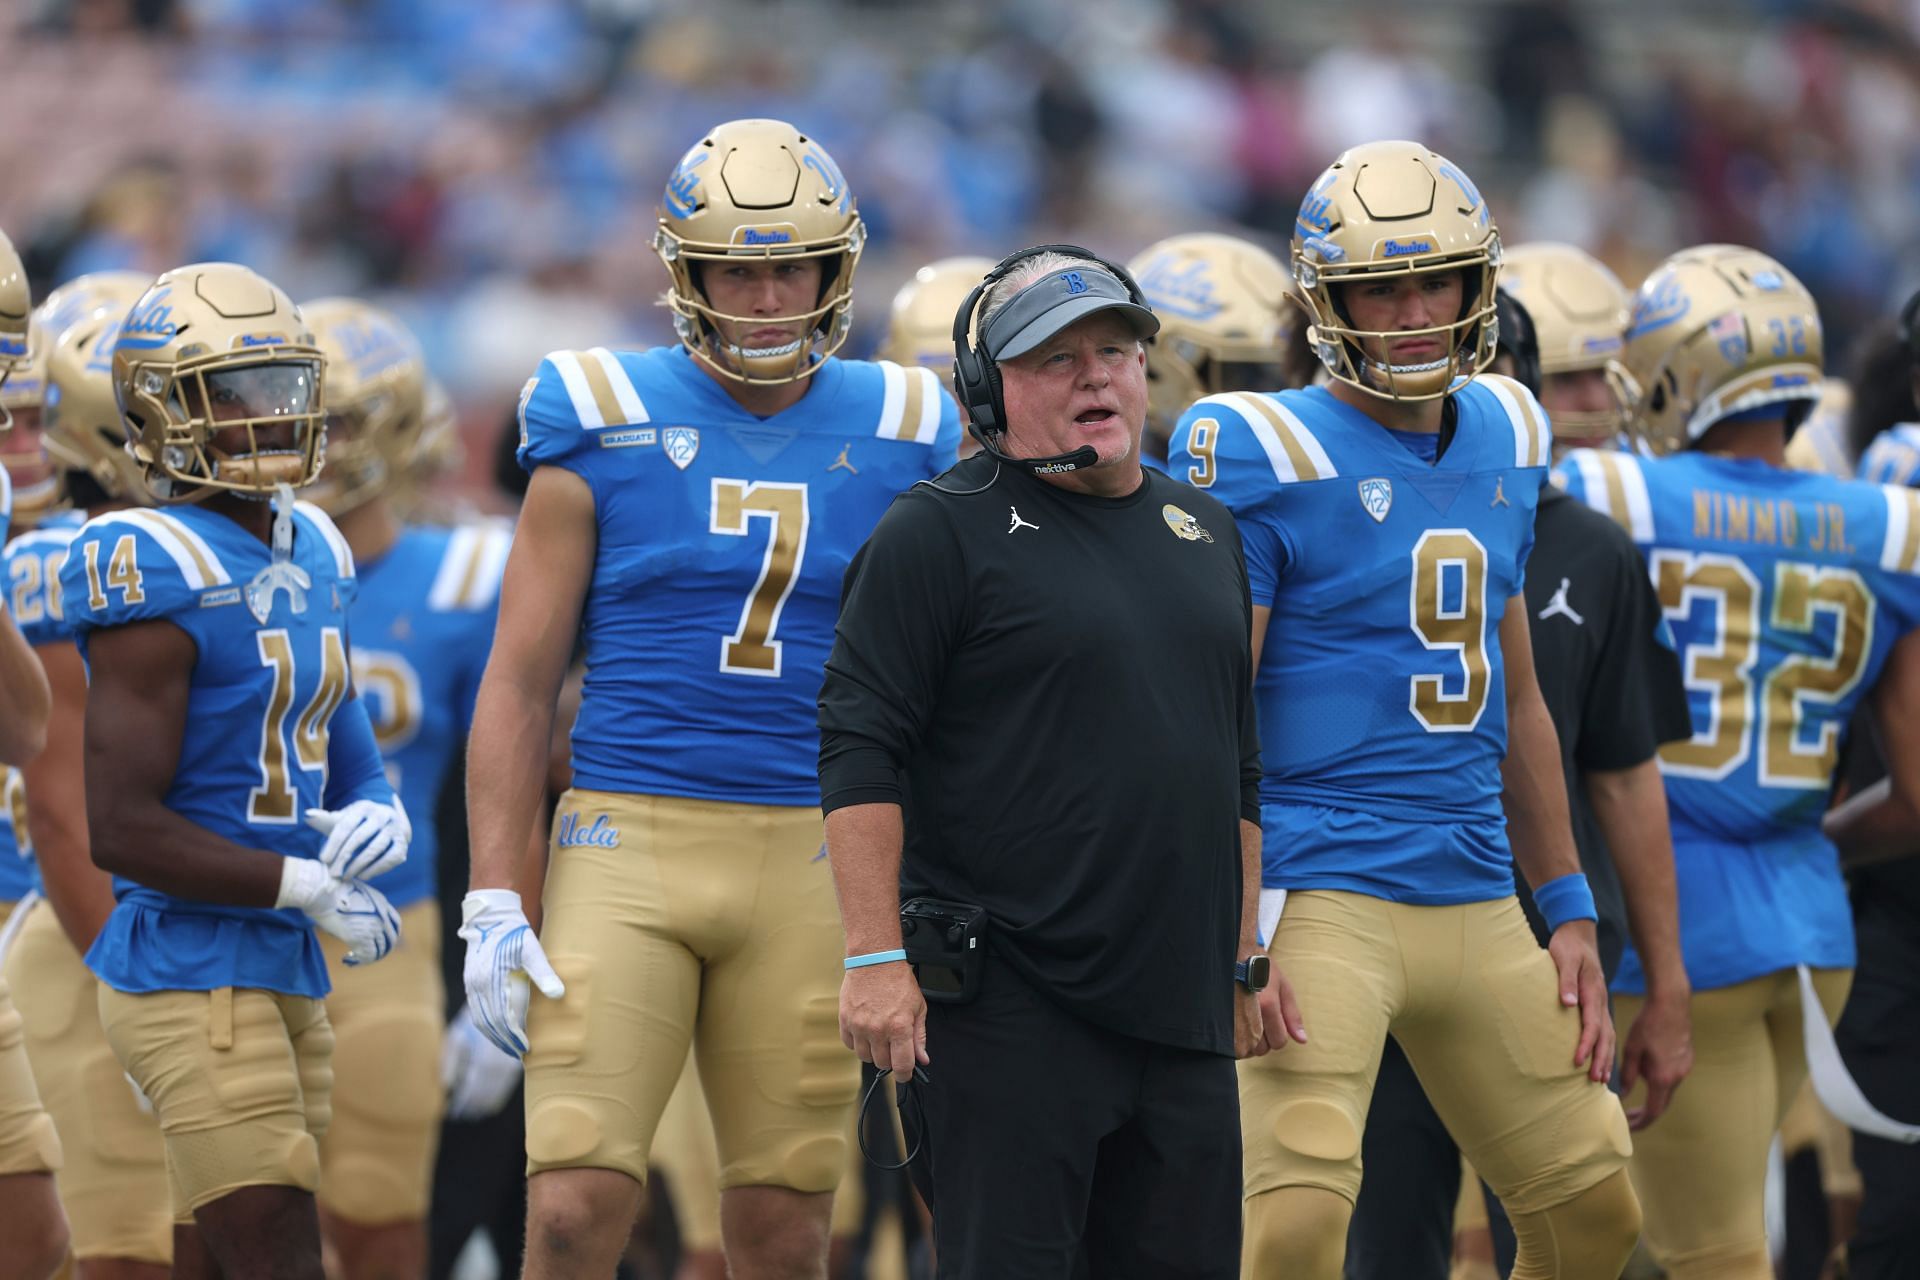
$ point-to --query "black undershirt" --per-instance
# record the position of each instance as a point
(1057, 689)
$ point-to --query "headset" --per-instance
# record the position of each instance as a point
(1518, 339)
(976, 378)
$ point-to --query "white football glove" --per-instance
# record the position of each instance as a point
(364, 840)
(358, 914)
(478, 1076)
(503, 955)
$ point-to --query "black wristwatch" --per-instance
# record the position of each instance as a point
(1252, 973)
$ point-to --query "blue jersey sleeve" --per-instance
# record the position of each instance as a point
(32, 583)
(947, 437)
(551, 433)
(1214, 448)
(135, 566)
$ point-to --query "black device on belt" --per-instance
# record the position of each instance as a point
(944, 942)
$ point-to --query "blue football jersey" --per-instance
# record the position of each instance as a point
(30, 576)
(1383, 715)
(1785, 591)
(422, 626)
(1894, 456)
(253, 753)
(723, 539)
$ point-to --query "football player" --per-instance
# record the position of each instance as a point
(1387, 518)
(691, 512)
(1579, 309)
(233, 786)
(1793, 597)
(422, 619)
(114, 1183)
(33, 1231)
(1224, 320)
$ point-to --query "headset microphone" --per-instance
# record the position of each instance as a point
(1052, 464)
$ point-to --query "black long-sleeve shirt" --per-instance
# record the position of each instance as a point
(1057, 690)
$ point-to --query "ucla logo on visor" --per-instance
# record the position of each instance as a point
(1075, 283)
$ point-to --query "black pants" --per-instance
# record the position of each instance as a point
(1879, 1037)
(1049, 1144)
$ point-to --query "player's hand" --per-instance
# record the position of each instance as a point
(883, 1017)
(358, 914)
(479, 1076)
(365, 839)
(503, 956)
(1576, 954)
(1659, 1049)
(1280, 1020)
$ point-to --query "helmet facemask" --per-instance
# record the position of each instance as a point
(224, 421)
(823, 328)
(1469, 341)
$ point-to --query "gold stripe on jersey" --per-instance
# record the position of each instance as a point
(1303, 464)
(611, 414)
(908, 427)
(1616, 487)
(1901, 553)
(176, 539)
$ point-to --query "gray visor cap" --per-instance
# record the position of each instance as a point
(1057, 300)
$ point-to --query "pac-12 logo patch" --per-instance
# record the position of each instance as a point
(1183, 525)
(681, 445)
(1376, 496)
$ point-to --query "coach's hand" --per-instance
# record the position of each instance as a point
(503, 956)
(1269, 1020)
(1659, 1049)
(1576, 954)
(883, 1017)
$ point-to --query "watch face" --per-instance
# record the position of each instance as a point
(1258, 970)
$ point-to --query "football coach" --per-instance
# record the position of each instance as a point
(1037, 729)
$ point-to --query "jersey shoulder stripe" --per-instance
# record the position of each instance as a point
(196, 560)
(910, 403)
(336, 541)
(471, 567)
(1613, 484)
(1900, 551)
(1532, 435)
(1292, 449)
(602, 393)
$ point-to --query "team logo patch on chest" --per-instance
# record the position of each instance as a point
(1183, 525)
(1376, 496)
(682, 445)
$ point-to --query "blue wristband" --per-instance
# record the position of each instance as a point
(1564, 899)
(876, 957)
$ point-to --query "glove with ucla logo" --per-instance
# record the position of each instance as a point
(365, 839)
(503, 956)
(354, 912)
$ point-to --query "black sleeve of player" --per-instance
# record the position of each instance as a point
(1637, 698)
(902, 609)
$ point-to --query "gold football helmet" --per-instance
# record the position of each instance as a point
(1719, 330)
(1224, 318)
(759, 189)
(1580, 312)
(16, 307)
(1389, 209)
(84, 429)
(39, 480)
(210, 350)
(920, 330)
(376, 396)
